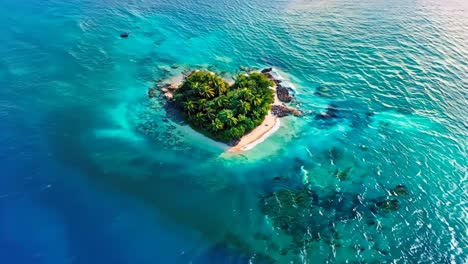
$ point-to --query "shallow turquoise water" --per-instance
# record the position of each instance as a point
(92, 172)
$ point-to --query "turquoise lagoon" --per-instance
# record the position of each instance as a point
(95, 172)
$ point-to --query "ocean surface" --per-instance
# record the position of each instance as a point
(92, 171)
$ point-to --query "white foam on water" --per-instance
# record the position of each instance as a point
(285, 79)
(305, 176)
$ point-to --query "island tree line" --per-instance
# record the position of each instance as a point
(223, 112)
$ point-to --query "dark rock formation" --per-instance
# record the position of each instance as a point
(322, 116)
(167, 91)
(309, 215)
(170, 87)
(283, 94)
(269, 75)
(290, 210)
(282, 110)
(277, 81)
(386, 205)
(322, 91)
(332, 112)
(305, 216)
(400, 190)
(281, 91)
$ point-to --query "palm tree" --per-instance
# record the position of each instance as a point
(189, 106)
(246, 94)
(241, 118)
(224, 115)
(202, 104)
(216, 125)
(220, 86)
(221, 101)
(243, 107)
(195, 88)
(232, 121)
(206, 91)
(240, 81)
(256, 100)
(199, 119)
(227, 117)
(210, 114)
(256, 114)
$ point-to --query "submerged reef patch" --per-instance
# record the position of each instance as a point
(307, 215)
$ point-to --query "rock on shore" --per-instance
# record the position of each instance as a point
(282, 111)
(281, 91)
(283, 94)
(167, 90)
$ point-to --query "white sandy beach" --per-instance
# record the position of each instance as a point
(270, 125)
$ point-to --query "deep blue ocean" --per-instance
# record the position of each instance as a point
(92, 171)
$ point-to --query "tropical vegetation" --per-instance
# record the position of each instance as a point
(223, 112)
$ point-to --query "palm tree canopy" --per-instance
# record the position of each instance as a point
(221, 111)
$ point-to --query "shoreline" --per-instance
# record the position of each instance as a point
(259, 134)
(268, 127)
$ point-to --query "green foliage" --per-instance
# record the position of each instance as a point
(221, 111)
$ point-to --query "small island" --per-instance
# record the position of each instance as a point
(239, 114)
